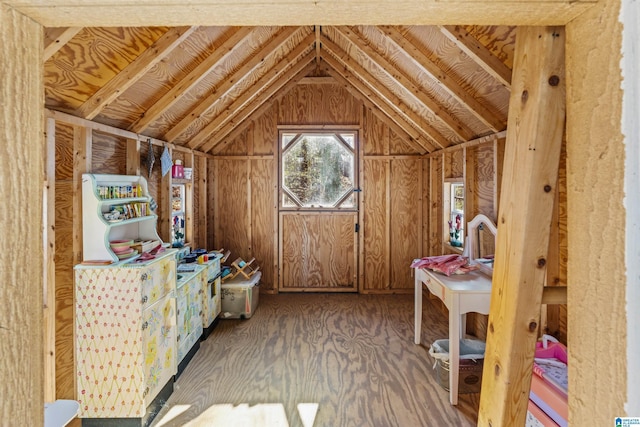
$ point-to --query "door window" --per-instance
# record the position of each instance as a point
(318, 170)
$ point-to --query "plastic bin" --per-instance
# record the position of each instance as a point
(240, 296)
(471, 364)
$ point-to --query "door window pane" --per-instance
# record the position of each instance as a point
(318, 170)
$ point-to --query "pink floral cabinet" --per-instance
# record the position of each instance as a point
(125, 336)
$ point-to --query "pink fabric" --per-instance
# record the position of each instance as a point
(554, 350)
(445, 264)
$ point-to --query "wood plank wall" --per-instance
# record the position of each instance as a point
(246, 188)
(236, 206)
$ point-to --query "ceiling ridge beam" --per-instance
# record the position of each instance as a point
(56, 38)
(478, 52)
(251, 92)
(404, 80)
(444, 80)
(229, 82)
(385, 93)
(376, 103)
(133, 72)
(279, 88)
(194, 77)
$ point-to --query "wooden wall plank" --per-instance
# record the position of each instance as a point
(133, 157)
(232, 204)
(534, 137)
(436, 215)
(263, 214)
(404, 225)
(212, 211)
(108, 154)
(454, 164)
(375, 133)
(200, 202)
(64, 291)
(65, 362)
(375, 227)
(484, 182)
(318, 105)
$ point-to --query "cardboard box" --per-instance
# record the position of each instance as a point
(240, 297)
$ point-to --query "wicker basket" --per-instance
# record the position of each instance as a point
(470, 375)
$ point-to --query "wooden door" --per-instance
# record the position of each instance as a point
(318, 251)
(318, 211)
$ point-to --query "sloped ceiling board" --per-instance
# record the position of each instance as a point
(398, 109)
(56, 38)
(426, 143)
(134, 71)
(248, 68)
(481, 112)
(300, 53)
(383, 93)
(478, 52)
(403, 79)
(192, 78)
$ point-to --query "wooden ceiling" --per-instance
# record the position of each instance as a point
(195, 86)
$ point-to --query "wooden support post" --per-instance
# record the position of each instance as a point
(534, 138)
(49, 273)
(21, 177)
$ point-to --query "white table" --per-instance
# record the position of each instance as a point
(461, 294)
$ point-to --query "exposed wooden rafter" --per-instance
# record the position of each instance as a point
(134, 71)
(377, 111)
(404, 80)
(191, 79)
(384, 93)
(478, 52)
(444, 80)
(276, 91)
(250, 66)
(348, 80)
(56, 38)
(250, 93)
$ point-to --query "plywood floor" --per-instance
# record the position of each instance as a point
(319, 360)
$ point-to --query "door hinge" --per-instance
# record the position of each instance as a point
(357, 227)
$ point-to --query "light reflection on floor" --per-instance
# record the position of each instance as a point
(263, 414)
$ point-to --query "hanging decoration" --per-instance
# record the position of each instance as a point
(165, 161)
(151, 158)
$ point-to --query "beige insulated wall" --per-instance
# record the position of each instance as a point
(21, 177)
(595, 178)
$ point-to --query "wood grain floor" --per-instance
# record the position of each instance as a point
(319, 360)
